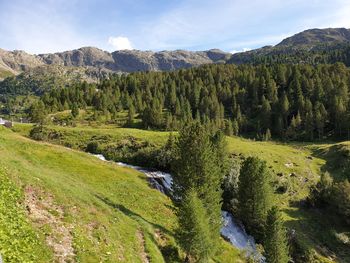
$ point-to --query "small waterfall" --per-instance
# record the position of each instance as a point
(232, 230)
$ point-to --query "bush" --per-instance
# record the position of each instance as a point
(37, 133)
(320, 193)
(93, 147)
(341, 199)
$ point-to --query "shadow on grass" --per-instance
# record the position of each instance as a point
(337, 158)
(317, 228)
(169, 251)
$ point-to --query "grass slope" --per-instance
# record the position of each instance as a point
(111, 212)
(295, 166)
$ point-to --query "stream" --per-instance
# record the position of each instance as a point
(232, 230)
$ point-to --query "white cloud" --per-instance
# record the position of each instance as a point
(242, 50)
(120, 43)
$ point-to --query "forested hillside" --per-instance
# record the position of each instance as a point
(313, 46)
(283, 101)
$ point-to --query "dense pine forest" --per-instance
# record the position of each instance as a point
(295, 102)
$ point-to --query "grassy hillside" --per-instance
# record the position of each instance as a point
(295, 167)
(18, 240)
(89, 210)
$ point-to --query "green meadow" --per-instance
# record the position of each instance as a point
(111, 213)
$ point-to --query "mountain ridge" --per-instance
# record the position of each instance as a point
(310, 46)
(17, 61)
(98, 62)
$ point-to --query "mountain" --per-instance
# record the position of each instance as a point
(316, 36)
(16, 62)
(311, 46)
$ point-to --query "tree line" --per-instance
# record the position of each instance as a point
(283, 101)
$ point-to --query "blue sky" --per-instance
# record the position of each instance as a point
(41, 26)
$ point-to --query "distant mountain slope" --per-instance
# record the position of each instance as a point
(318, 36)
(16, 62)
(134, 60)
(311, 46)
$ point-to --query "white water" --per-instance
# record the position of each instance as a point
(232, 231)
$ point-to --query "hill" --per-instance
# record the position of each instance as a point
(313, 46)
(312, 37)
(83, 209)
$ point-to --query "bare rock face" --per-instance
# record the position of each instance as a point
(97, 60)
(82, 57)
(18, 61)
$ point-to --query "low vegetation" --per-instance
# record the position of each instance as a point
(112, 214)
(294, 169)
(19, 240)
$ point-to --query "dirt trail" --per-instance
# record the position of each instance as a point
(143, 254)
(46, 214)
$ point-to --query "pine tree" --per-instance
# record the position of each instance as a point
(255, 195)
(198, 168)
(284, 108)
(265, 114)
(235, 127)
(267, 135)
(38, 113)
(131, 114)
(229, 128)
(194, 228)
(275, 243)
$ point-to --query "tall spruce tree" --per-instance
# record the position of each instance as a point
(38, 113)
(254, 195)
(199, 168)
(276, 243)
(194, 229)
(131, 114)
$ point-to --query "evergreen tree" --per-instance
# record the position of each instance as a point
(276, 243)
(131, 114)
(194, 229)
(235, 127)
(284, 108)
(229, 128)
(38, 113)
(267, 135)
(265, 114)
(255, 195)
(198, 168)
(152, 115)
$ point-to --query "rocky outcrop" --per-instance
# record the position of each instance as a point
(15, 62)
